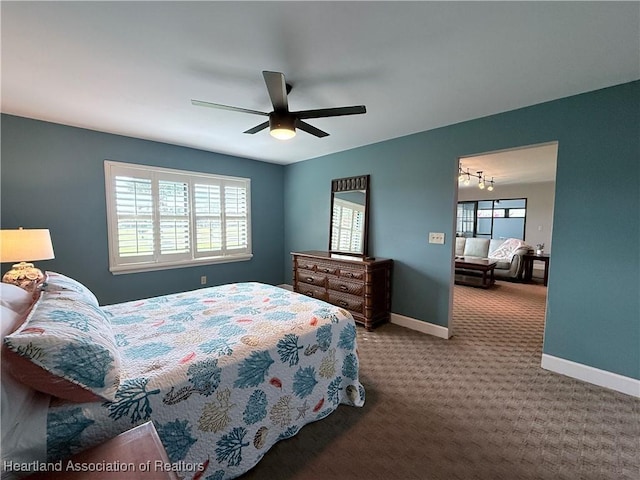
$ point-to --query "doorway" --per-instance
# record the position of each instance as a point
(524, 175)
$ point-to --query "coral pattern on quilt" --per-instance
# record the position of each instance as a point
(223, 372)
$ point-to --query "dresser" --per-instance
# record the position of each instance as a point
(361, 286)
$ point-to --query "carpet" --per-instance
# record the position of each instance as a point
(476, 406)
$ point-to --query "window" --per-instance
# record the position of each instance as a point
(517, 212)
(500, 218)
(348, 225)
(466, 219)
(160, 218)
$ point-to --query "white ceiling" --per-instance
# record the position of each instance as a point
(531, 164)
(132, 68)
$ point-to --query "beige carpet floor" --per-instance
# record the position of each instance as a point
(476, 406)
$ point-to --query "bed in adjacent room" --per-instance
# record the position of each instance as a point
(223, 372)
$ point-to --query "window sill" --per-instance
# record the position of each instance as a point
(152, 267)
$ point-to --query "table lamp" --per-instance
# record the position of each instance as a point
(21, 246)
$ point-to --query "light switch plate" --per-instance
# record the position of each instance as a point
(436, 238)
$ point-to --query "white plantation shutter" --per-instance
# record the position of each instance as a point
(174, 218)
(208, 212)
(162, 218)
(356, 231)
(236, 225)
(347, 228)
(134, 211)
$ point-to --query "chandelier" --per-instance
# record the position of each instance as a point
(465, 178)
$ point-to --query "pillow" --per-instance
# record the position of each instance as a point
(65, 348)
(24, 410)
(56, 282)
(14, 297)
(9, 319)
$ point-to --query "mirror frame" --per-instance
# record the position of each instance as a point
(348, 184)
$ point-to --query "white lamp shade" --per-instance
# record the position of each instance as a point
(25, 245)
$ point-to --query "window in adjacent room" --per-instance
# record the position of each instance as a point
(466, 219)
(499, 218)
(162, 218)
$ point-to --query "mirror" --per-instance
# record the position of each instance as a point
(349, 223)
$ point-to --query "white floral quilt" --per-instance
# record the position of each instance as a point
(223, 372)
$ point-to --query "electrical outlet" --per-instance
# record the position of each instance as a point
(436, 238)
(203, 280)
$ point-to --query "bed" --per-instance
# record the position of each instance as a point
(223, 372)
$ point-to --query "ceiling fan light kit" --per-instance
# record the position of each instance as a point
(282, 122)
(282, 127)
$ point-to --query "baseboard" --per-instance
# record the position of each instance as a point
(286, 286)
(602, 378)
(408, 322)
(420, 326)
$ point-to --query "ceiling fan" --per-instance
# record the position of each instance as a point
(282, 123)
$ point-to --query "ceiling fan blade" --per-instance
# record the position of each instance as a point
(277, 88)
(310, 129)
(257, 128)
(200, 103)
(331, 112)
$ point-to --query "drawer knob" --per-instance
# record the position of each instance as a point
(344, 288)
(310, 294)
(309, 280)
(343, 303)
(326, 270)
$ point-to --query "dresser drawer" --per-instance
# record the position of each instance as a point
(306, 264)
(355, 274)
(349, 302)
(339, 285)
(311, 265)
(311, 291)
(327, 268)
(312, 278)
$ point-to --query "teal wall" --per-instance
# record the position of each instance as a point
(593, 314)
(53, 177)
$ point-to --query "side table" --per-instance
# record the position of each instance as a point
(138, 454)
(529, 258)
